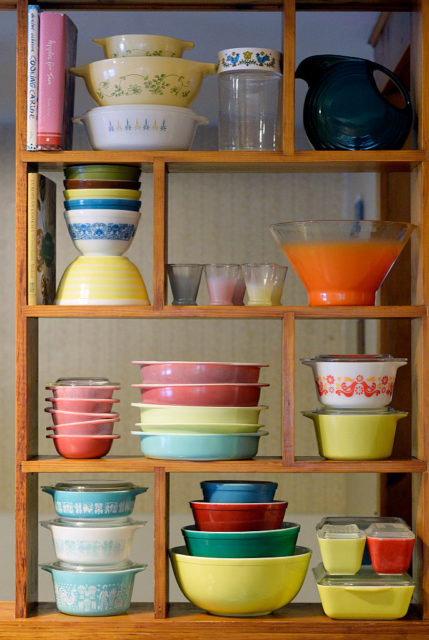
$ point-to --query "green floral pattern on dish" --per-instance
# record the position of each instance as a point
(139, 52)
(159, 84)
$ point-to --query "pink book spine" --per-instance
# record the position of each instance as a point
(52, 53)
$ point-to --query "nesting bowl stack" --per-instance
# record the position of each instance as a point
(83, 417)
(199, 410)
(238, 543)
(92, 535)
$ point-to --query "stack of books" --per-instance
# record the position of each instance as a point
(52, 41)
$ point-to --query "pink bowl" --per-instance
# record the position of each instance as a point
(84, 405)
(62, 391)
(65, 417)
(212, 395)
(157, 372)
(83, 446)
(238, 516)
(88, 428)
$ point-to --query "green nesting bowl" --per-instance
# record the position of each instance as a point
(101, 171)
(242, 544)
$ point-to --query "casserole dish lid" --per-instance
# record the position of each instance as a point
(384, 411)
(390, 530)
(365, 577)
(375, 357)
(84, 382)
(362, 522)
(75, 568)
(83, 524)
(340, 532)
(82, 486)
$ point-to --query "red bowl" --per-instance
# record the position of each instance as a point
(156, 372)
(65, 417)
(88, 428)
(83, 446)
(207, 395)
(83, 405)
(80, 391)
(239, 516)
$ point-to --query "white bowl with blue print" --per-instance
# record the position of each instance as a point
(92, 544)
(126, 127)
(93, 591)
(102, 232)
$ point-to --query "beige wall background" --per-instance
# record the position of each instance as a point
(212, 218)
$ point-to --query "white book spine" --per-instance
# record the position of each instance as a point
(32, 75)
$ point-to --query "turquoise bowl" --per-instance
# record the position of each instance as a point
(94, 499)
(199, 446)
(242, 544)
(102, 203)
(92, 592)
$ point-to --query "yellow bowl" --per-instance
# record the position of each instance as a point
(207, 427)
(187, 415)
(144, 80)
(141, 44)
(356, 435)
(108, 280)
(130, 194)
(240, 586)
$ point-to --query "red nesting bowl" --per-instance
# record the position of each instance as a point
(65, 417)
(70, 446)
(157, 372)
(207, 395)
(83, 405)
(80, 391)
(239, 516)
(87, 428)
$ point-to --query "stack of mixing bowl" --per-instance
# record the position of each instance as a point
(82, 415)
(92, 535)
(199, 410)
(143, 88)
(356, 421)
(102, 212)
(240, 557)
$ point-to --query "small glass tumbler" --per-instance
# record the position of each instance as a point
(222, 280)
(259, 279)
(279, 279)
(239, 291)
(184, 281)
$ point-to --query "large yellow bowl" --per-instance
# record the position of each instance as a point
(144, 80)
(130, 194)
(108, 280)
(356, 435)
(240, 586)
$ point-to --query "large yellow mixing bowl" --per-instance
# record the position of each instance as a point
(108, 280)
(240, 586)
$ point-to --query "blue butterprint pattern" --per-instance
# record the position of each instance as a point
(101, 231)
(92, 598)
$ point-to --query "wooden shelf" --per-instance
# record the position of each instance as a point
(237, 161)
(261, 464)
(87, 311)
(185, 622)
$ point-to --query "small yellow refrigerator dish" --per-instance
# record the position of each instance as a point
(341, 547)
(365, 595)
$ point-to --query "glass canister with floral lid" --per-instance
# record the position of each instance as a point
(250, 97)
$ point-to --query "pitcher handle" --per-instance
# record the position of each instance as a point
(397, 82)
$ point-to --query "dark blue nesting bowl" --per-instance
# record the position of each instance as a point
(238, 490)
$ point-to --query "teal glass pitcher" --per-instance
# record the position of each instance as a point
(344, 109)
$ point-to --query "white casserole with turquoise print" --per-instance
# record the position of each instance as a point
(83, 544)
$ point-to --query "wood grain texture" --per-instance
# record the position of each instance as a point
(227, 5)
(288, 389)
(288, 102)
(160, 204)
(161, 541)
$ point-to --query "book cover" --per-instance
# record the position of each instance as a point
(41, 211)
(32, 75)
(57, 53)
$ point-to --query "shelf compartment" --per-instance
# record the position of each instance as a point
(135, 311)
(238, 161)
(262, 464)
(185, 621)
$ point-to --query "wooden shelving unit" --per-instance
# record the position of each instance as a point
(26, 618)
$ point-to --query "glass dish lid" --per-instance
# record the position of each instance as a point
(340, 532)
(367, 357)
(83, 486)
(390, 530)
(84, 382)
(365, 577)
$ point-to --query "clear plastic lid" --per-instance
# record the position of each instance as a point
(390, 530)
(65, 566)
(365, 577)
(84, 382)
(93, 524)
(83, 486)
(340, 532)
(384, 411)
(362, 522)
(350, 357)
